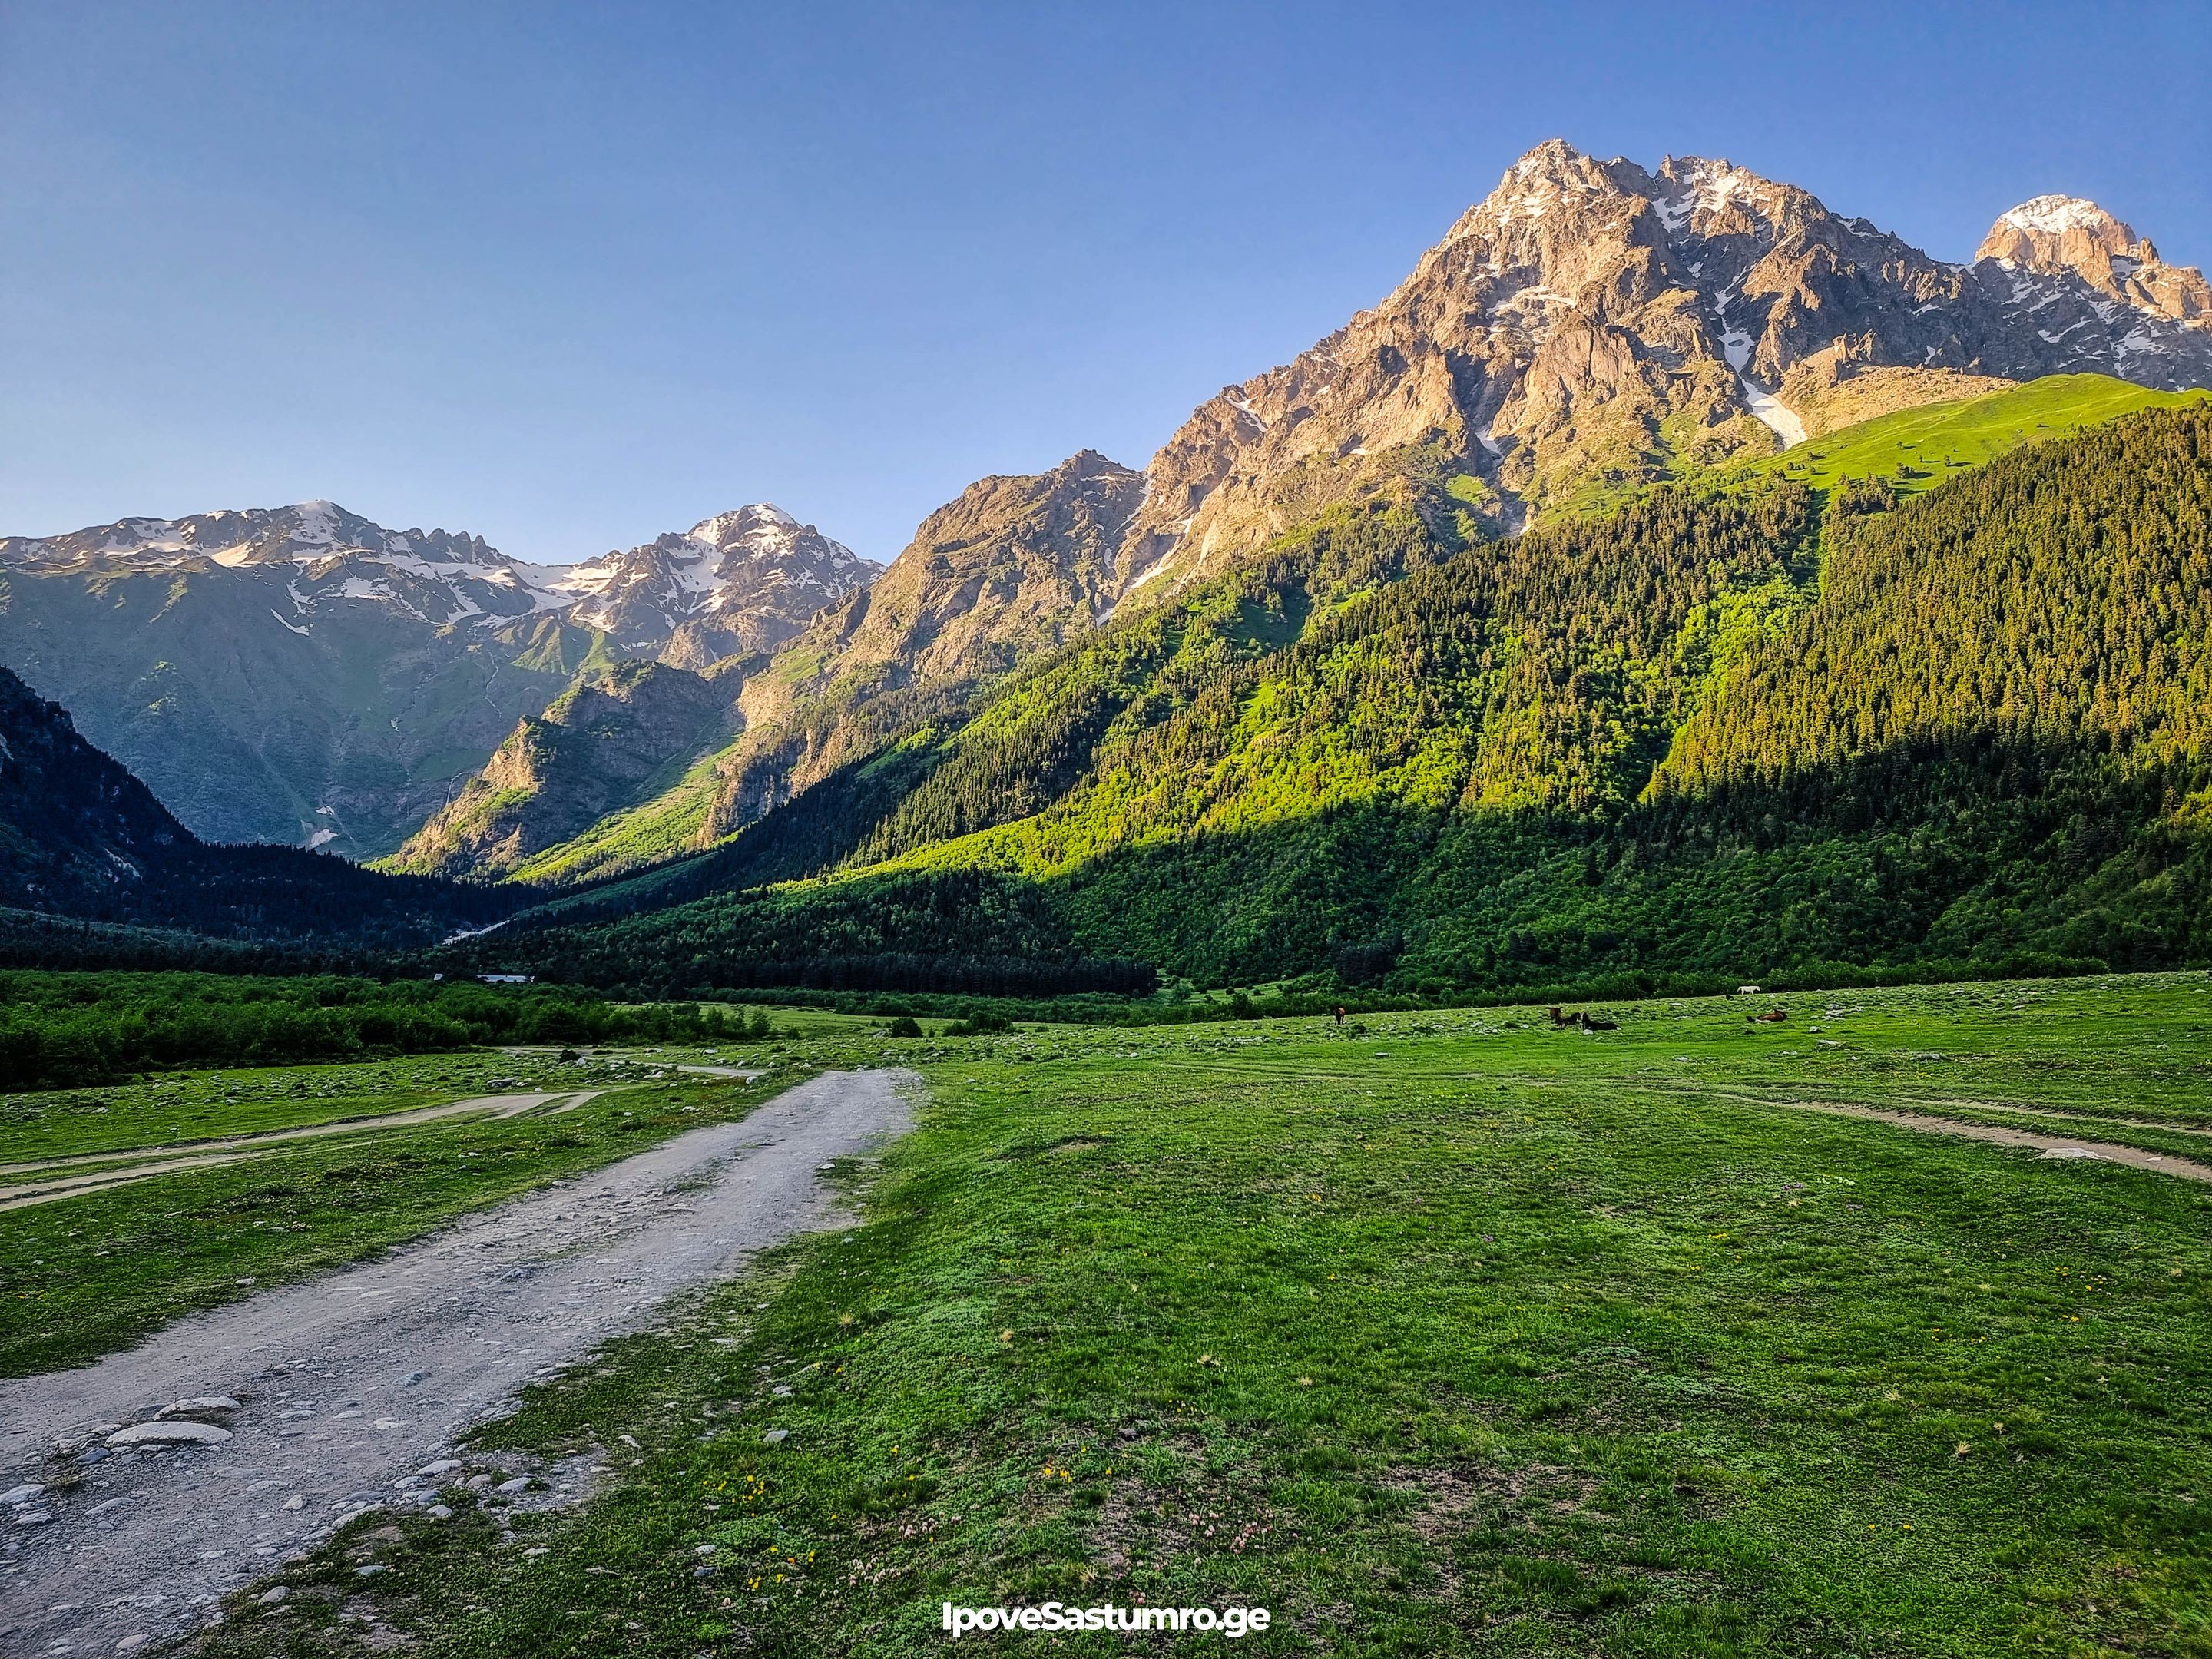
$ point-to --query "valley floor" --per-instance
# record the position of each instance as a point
(1443, 1333)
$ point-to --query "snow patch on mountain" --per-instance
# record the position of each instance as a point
(756, 570)
(2054, 216)
(756, 574)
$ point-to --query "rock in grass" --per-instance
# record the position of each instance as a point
(169, 1434)
(775, 1437)
(520, 1483)
(270, 1598)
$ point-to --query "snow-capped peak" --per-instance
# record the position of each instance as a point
(754, 573)
(725, 527)
(2054, 216)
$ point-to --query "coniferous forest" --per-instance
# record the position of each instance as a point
(1741, 726)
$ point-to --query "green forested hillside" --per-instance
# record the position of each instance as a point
(1732, 731)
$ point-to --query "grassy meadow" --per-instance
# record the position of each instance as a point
(1445, 1332)
(1913, 450)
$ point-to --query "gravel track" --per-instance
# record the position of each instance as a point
(350, 1383)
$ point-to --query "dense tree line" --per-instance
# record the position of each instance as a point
(956, 932)
(59, 1029)
(32, 938)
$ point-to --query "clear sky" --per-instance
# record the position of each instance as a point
(568, 276)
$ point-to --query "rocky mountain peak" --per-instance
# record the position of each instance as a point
(725, 529)
(2041, 217)
(1012, 565)
(742, 580)
(2067, 233)
(1590, 321)
(306, 534)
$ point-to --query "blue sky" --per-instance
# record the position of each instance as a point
(568, 276)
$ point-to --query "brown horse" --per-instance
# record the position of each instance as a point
(1771, 1017)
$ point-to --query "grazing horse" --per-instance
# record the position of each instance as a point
(1589, 1024)
(1771, 1017)
(1339, 1012)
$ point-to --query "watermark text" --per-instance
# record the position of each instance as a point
(1106, 1615)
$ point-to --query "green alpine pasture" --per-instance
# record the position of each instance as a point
(1444, 1332)
(1914, 450)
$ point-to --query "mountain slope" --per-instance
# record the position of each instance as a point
(877, 746)
(75, 828)
(299, 675)
(1913, 450)
(598, 747)
(1662, 745)
(81, 837)
(1008, 571)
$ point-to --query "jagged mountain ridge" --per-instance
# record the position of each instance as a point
(2056, 235)
(1589, 317)
(752, 577)
(739, 581)
(326, 557)
(303, 674)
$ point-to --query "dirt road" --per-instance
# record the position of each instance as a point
(349, 1383)
(2049, 1145)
